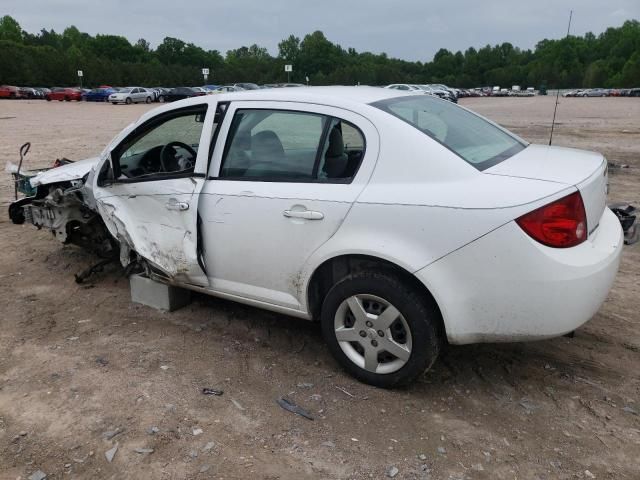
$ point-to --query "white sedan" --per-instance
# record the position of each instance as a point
(130, 95)
(400, 222)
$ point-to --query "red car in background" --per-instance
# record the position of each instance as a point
(7, 91)
(66, 94)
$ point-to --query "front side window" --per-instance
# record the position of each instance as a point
(168, 145)
(280, 145)
(475, 140)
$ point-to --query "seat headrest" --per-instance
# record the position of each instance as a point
(266, 146)
(335, 160)
(336, 143)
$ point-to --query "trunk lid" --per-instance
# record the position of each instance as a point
(587, 171)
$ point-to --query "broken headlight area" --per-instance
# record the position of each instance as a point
(61, 209)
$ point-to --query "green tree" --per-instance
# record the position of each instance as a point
(10, 29)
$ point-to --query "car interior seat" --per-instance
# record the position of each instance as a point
(335, 159)
(267, 153)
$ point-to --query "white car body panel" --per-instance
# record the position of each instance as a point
(413, 203)
(233, 211)
(484, 296)
(65, 173)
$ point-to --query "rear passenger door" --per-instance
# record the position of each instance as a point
(282, 179)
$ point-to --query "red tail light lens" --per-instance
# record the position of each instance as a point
(561, 224)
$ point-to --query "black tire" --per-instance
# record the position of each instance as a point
(147, 100)
(161, 99)
(128, 101)
(419, 311)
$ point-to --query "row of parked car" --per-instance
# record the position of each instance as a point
(436, 90)
(107, 93)
(603, 92)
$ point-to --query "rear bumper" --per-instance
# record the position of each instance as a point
(506, 287)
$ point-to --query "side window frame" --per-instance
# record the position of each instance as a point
(143, 129)
(328, 120)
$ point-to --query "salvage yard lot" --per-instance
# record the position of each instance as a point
(82, 369)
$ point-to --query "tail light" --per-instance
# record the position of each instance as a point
(561, 224)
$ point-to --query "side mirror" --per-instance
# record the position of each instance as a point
(106, 176)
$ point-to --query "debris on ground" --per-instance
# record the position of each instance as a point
(208, 446)
(109, 434)
(153, 430)
(293, 408)
(109, 454)
(97, 268)
(144, 450)
(237, 404)
(38, 475)
(345, 392)
(196, 432)
(626, 213)
(212, 391)
(617, 165)
(392, 471)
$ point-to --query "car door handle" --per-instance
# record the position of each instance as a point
(176, 205)
(306, 214)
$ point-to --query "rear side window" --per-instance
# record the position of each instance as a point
(475, 140)
(291, 146)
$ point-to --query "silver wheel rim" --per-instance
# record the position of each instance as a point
(373, 334)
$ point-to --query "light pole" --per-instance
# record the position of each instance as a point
(288, 68)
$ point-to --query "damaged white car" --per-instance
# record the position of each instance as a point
(398, 221)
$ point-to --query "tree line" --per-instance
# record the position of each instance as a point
(46, 58)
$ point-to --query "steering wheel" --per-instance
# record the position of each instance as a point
(170, 161)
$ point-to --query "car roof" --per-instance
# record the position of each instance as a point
(342, 97)
(325, 95)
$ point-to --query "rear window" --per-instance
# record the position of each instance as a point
(475, 140)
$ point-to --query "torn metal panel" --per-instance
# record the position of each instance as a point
(159, 223)
(66, 173)
(63, 212)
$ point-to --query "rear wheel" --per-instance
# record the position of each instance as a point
(382, 330)
(161, 99)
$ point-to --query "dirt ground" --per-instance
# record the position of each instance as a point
(82, 369)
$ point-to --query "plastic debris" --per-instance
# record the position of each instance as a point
(626, 213)
(212, 391)
(109, 454)
(293, 408)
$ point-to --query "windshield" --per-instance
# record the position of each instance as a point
(475, 140)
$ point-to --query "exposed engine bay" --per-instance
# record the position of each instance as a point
(63, 209)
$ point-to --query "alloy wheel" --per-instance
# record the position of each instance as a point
(373, 334)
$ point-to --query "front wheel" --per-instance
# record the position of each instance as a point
(381, 329)
(148, 100)
(161, 99)
(128, 101)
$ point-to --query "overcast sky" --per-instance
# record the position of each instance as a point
(411, 29)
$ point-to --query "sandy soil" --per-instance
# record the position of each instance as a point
(78, 364)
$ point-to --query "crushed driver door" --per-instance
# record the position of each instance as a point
(147, 192)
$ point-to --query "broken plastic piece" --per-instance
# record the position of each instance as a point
(626, 213)
(293, 408)
(212, 391)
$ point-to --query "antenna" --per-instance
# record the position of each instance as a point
(555, 109)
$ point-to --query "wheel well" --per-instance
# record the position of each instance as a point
(335, 269)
